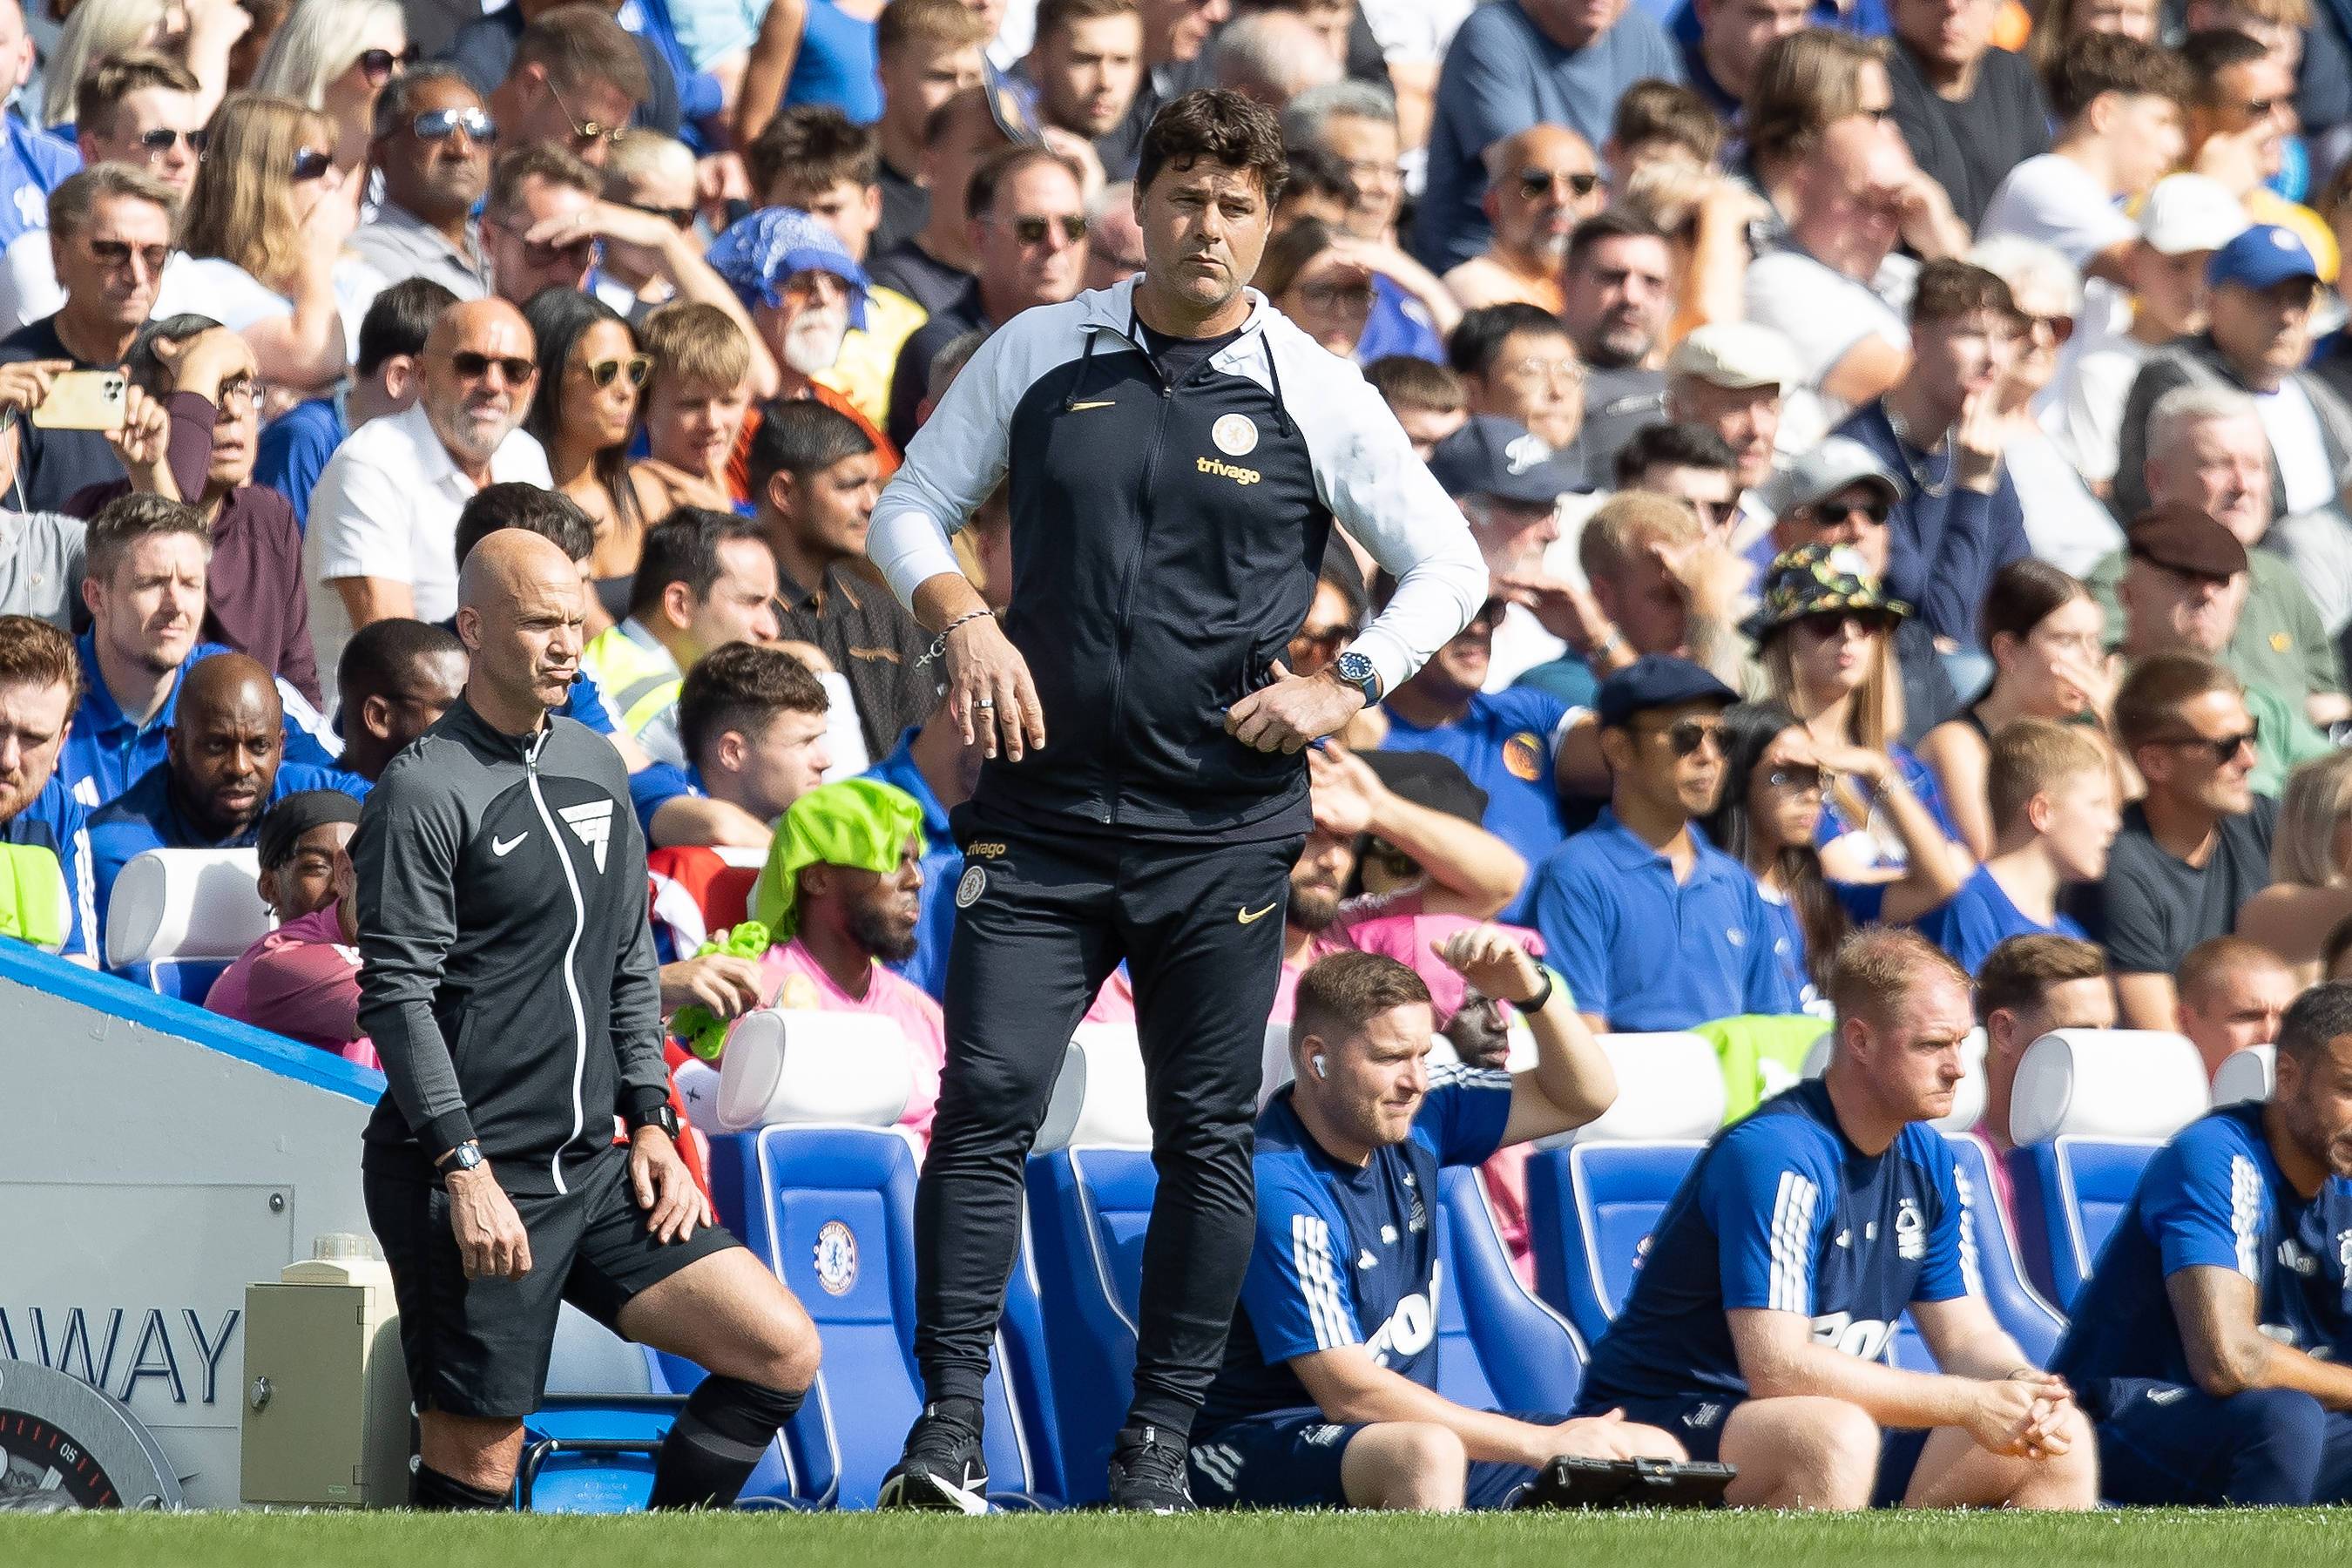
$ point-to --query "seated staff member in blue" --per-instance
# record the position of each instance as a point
(2210, 1346)
(1328, 1397)
(1653, 927)
(1758, 1330)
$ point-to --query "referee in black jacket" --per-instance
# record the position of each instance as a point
(508, 980)
(1178, 451)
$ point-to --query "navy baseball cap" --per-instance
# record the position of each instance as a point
(1496, 456)
(2264, 254)
(1656, 681)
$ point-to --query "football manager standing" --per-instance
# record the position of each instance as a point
(508, 979)
(1178, 451)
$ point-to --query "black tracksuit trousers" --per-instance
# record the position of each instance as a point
(1044, 920)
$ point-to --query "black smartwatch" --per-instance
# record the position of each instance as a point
(661, 1115)
(465, 1156)
(1357, 671)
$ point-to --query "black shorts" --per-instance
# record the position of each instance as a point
(1696, 1421)
(1291, 1458)
(480, 1347)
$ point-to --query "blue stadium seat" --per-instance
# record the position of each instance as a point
(830, 1209)
(2090, 1107)
(1591, 1210)
(178, 917)
(591, 1446)
(2021, 1308)
(1087, 1212)
(1498, 1348)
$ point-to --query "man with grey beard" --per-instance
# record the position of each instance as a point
(803, 290)
(383, 516)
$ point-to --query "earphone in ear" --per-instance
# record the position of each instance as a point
(1319, 1070)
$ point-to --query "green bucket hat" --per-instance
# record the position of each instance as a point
(1813, 579)
(863, 823)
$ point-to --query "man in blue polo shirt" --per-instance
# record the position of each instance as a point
(144, 585)
(1653, 927)
(45, 894)
(1328, 1396)
(2210, 1345)
(1759, 1328)
(224, 766)
(939, 768)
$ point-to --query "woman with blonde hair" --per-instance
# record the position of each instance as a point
(1826, 631)
(200, 33)
(263, 228)
(2311, 868)
(336, 56)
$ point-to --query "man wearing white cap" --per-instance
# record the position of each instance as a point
(2186, 218)
(1728, 376)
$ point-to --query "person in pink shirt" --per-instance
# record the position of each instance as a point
(842, 895)
(2028, 987)
(303, 980)
(1457, 875)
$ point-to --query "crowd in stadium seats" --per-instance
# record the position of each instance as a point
(1909, 443)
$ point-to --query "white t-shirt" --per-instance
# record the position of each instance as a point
(2087, 418)
(2064, 523)
(386, 506)
(237, 300)
(1824, 314)
(2292, 426)
(2055, 200)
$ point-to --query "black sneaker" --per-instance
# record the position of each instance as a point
(1147, 1473)
(942, 1468)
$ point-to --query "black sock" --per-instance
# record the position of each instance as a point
(971, 1412)
(430, 1490)
(725, 1427)
(1133, 1433)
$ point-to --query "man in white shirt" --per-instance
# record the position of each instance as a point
(383, 516)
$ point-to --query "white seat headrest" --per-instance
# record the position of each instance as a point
(800, 1067)
(201, 906)
(1669, 1088)
(696, 1083)
(2107, 1083)
(742, 856)
(2248, 1074)
(1114, 1113)
(1968, 1094)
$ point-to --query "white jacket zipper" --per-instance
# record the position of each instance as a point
(571, 956)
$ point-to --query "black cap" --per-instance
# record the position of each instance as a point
(1430, 779)
(2185, 538)
(1492, 456)
(283, 824)
(1656, 681)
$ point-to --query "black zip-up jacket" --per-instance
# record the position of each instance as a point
(1165, 546)
(507, 969)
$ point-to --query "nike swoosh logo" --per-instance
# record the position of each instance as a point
(1080, 407)
(1248, 915)
(500, 846)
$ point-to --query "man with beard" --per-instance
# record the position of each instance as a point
(226, 765)
(1540, 185)
(39, 677)
(431, 141)
(843, 898)
(383, 518)
(1619, 290)
(2210, 1348)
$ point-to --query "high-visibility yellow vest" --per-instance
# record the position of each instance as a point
(640, 679)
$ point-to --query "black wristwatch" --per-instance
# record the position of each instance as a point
(465, 1156)
(661, 1115)
(1357, 671)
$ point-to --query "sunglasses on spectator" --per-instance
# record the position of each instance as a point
(1688, 735)
(636, 367)
(1828, 624)
(115, 254)
(2225, 749)
(591, 132)
(310, 163)
(380, 65)
(1031, 229)
(2060, 327)
(440, 124)
(679, 218)
(472, 366)
(160, 141)
(1349, 297)
(1537, 184)
(1833, 514)
(1797, 780)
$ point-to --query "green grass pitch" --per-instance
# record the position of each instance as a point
(2125, 1539)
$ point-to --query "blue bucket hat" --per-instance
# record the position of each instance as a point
(759, 254)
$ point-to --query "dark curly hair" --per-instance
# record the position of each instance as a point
(1220, 125)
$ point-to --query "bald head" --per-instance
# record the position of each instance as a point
(1531, 192)
(521, 608)
(480, 373)
(227, 739)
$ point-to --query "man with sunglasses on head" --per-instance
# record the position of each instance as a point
(1653, 927)
(383, 516)
(431, 143)
(1540, 185)
(567, 75)
(1028, 229)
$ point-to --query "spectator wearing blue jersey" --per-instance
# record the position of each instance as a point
(1757, 1331)
(2210, 1346)
(2053, 805)
(224, 767)
(1328, 1394)
(47, 898)
(752, 720)
(1652, 926)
